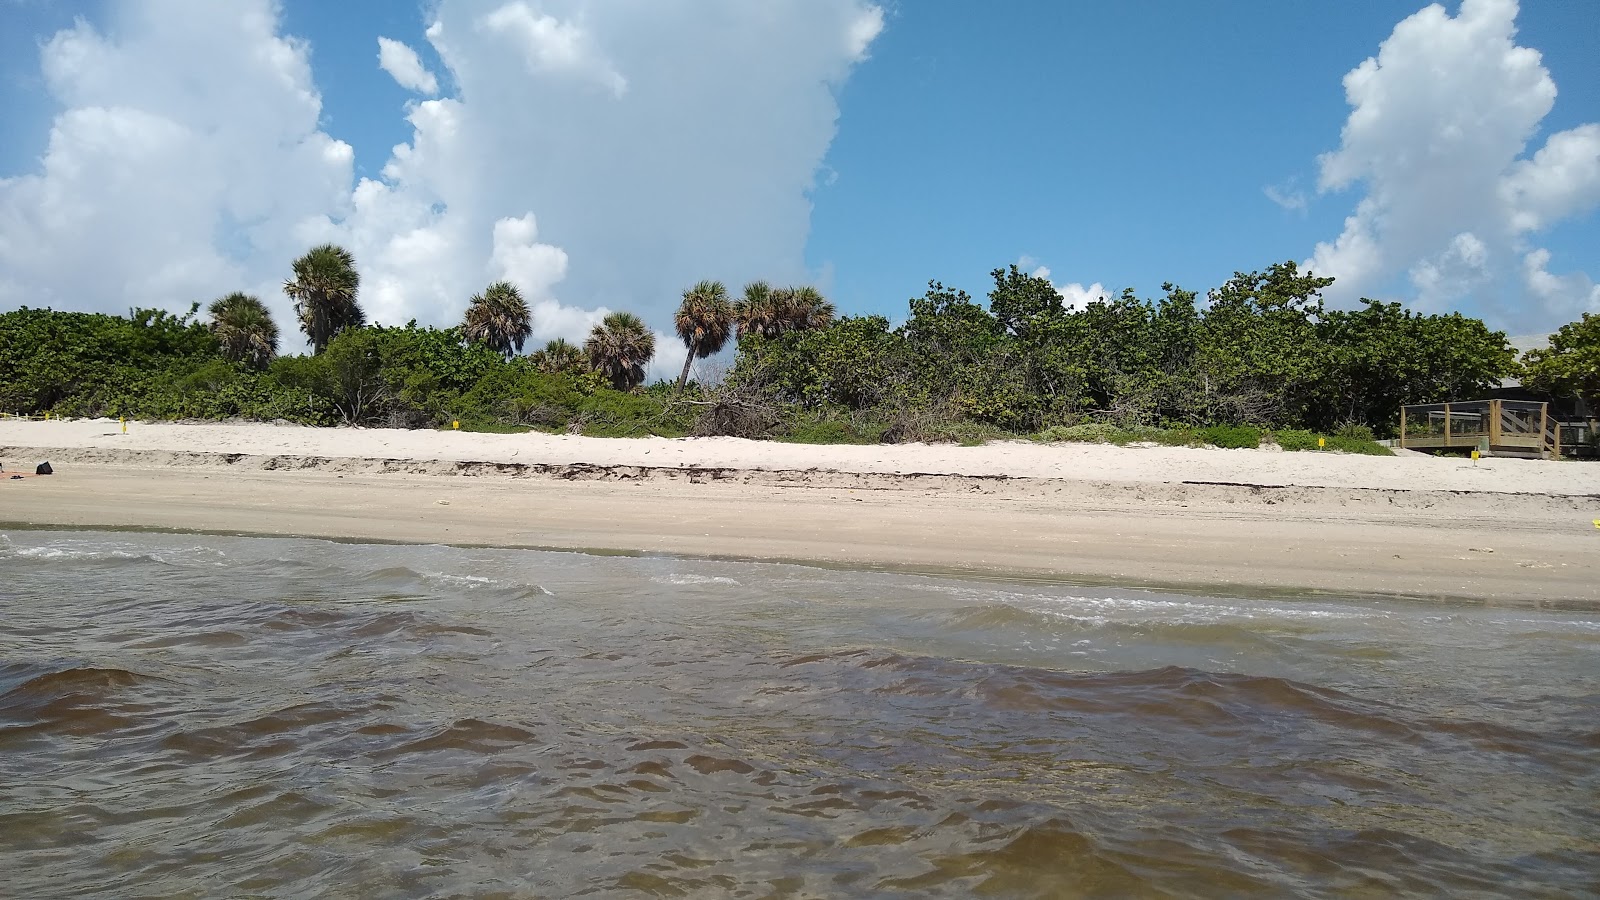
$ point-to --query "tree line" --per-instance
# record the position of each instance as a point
(1262, 351)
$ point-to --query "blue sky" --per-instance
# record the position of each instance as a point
(1113, 144)
(1127, 143)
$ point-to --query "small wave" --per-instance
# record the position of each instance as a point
(1193, 696)
(75, 553)
(467, 736)
(79, 701)
(410, 584)
(684, 580)
(470, 580)
(1154, 609)
(995, 616)
(82, 680)
(1136, 610)
(115, 553)
(278, 733)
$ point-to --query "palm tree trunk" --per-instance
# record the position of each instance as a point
(683, 379)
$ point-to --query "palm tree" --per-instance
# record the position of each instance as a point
(245, 329)
(619, 348)
(773, 312)
(805, 308)
(324, 293)
(704, 322)
(755, 313)
(499, 317)
(558, 357)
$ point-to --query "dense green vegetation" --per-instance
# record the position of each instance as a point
(1263, 351)
(1570, 366)
(1259, 358)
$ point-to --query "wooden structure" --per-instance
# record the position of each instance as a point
(1504, 427)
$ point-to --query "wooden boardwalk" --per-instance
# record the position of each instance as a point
(1506, 427)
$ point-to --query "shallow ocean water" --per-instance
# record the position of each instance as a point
(211, 716)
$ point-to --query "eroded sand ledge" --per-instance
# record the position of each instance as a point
(1506, 531)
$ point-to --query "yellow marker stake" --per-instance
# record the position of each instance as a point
(1322, 443)
(455, 424)
(1474, 456)
(124, 425)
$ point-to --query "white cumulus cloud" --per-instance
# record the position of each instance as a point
(551, 46)
(1568, 295)
(402, 62)
(1074, 295)
(186, 152)
(1439, 124)
(601, 155)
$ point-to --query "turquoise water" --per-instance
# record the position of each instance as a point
(207, 716)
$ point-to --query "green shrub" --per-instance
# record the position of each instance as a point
(1355, 432)
(1295, 439)
(1232, 437)
(1106, 433)
(1092, 432)
(611, 413)
(1299, 440)
(826, 431)
(1174, 437)
(492, 428)
(1356, 445)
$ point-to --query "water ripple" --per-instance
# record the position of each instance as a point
(257, 717)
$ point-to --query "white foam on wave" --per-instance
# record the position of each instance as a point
(683, 580)
(71, 553)
(1153, 610)
(469, 580)
(88, 551)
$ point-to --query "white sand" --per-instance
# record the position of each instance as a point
(1503, 531)
(1078, 462)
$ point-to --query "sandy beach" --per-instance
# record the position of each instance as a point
(1244, 522)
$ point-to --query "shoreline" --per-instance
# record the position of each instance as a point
(1180, 535)
(1214, 590)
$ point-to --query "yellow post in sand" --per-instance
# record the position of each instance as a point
(124, 422)
(1474, 457)
(455, 425)
(1322, 443)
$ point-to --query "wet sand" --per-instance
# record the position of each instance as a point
(1530, 548)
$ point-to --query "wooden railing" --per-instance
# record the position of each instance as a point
(1506, 425)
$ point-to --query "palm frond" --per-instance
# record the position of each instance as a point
(619, 348)
(324, 290)
(498, 318)
(245, 329)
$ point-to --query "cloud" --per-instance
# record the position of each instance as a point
(1287, 196)
(159, 188)
(1074, 295)
(402, 62)
(1561, 293)
(1439, 123)
(1460, 269)
(1561, 180)
(602, 155)
(862, 31)
(551, 46)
